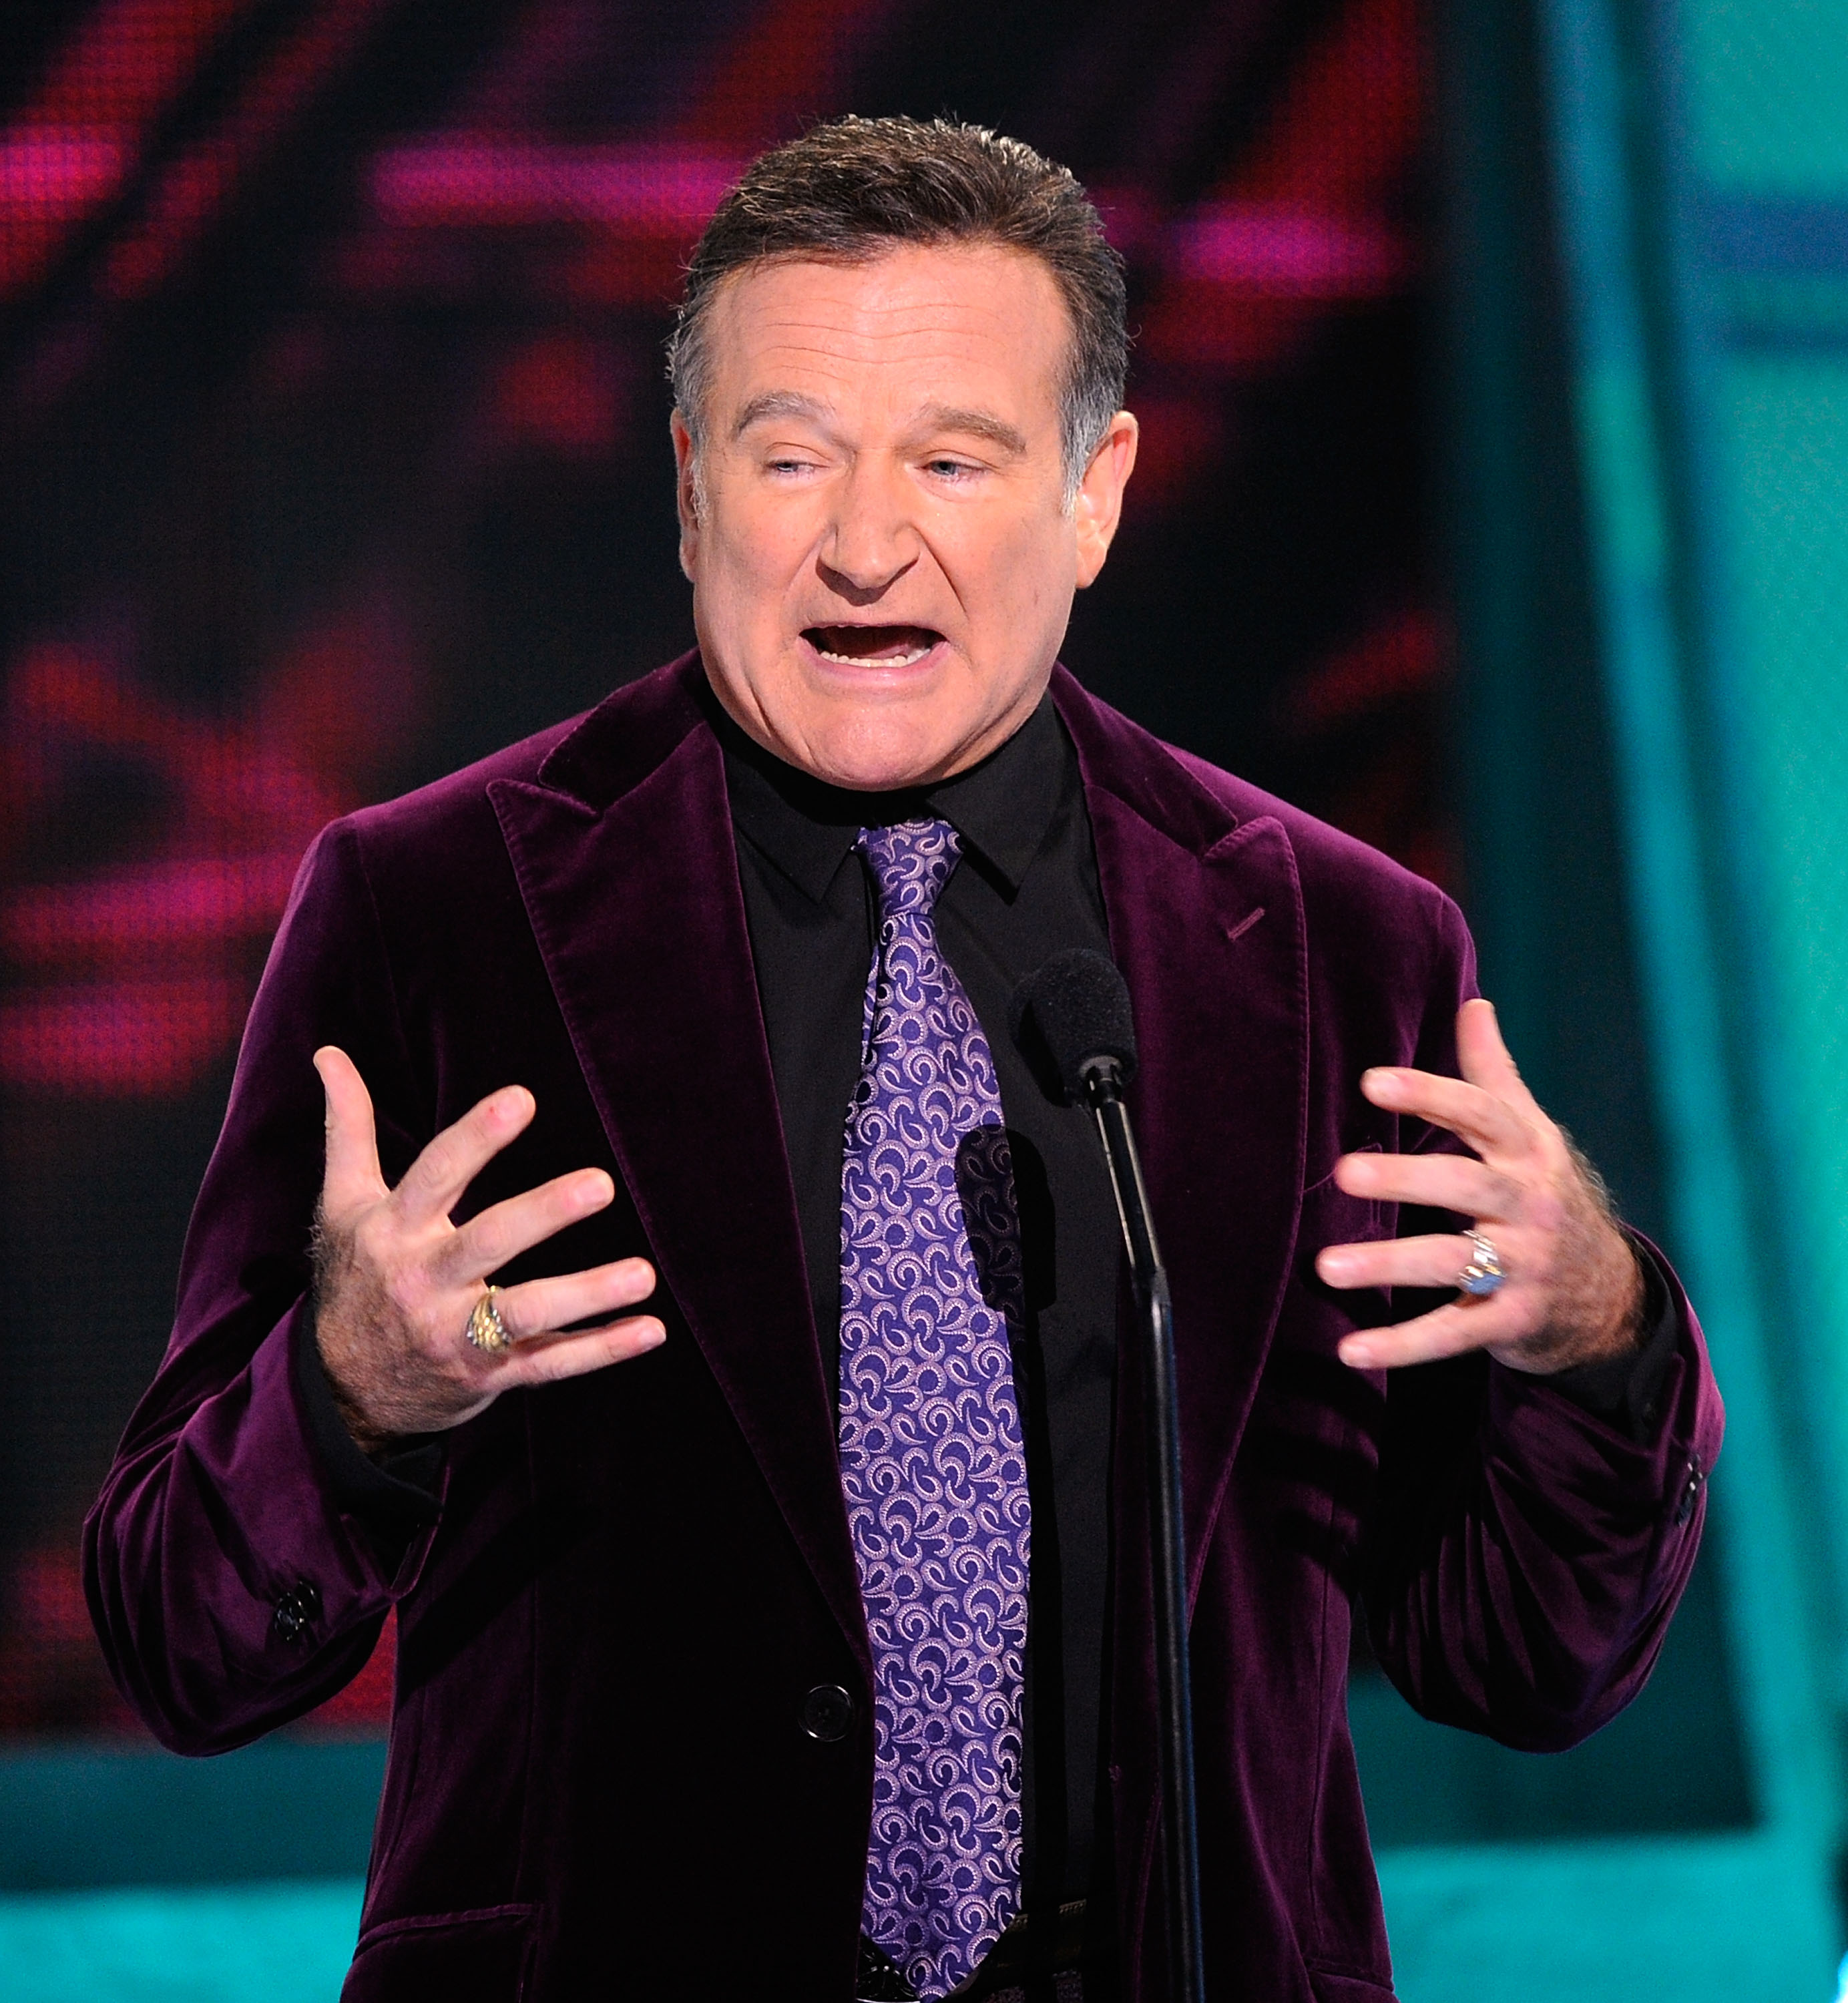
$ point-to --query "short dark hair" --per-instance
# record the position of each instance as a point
(853, 188)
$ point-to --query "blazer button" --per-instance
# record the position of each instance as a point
(1690, 1492)
(827, 1712)
(296, 1609)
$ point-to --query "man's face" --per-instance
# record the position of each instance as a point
(881, 559)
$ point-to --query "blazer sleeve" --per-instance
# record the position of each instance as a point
(232, 1589)
(1525, 1555)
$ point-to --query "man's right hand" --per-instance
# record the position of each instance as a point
(396, 1281)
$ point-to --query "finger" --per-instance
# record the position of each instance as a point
(1396, 1262)
(505, 1230)
(1437, 1182)
(434, 1184)
(352, 1177)
(539, 1307)
(1483, 1058)
(1449, 1330)
(1490, 1125)
(547, 1359)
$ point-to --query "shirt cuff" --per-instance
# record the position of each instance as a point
(394, 1497)
(1627, 1391)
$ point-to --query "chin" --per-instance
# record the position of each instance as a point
(879, 743)
(876, 762)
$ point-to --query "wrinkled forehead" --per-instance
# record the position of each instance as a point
(952, 325)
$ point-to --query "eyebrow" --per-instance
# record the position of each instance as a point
(772, 404)
(780, 403)
(975, 424)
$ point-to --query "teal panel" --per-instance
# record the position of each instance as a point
(1794, 309)
(1768, 86)
(88, 1815)
(256, 1944)
(1765, 1520)
(1672, 1763)
(1714, 1921)
(1698, 1920)
(1784, 694)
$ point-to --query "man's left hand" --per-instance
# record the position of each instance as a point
(1574, 1291)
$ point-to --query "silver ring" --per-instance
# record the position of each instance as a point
(1485, 1273)
(486, 1329)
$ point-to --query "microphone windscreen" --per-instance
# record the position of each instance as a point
(1075, 1007)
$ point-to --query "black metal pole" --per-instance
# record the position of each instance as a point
(1103, 1088)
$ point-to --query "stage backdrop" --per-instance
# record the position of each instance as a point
(334, 432)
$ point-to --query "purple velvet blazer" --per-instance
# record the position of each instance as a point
(599, 1785)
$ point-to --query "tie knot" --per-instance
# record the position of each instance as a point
(911, 861)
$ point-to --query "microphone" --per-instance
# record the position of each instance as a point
(1074, 1015)
(1077, 1006)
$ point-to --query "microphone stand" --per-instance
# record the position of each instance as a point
(1102, 1078)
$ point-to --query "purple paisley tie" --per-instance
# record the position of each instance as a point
(930, 1454)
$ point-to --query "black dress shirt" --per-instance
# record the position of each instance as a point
(1026, 885)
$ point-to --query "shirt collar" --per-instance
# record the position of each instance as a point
(1002, 809)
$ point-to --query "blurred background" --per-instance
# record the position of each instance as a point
(1492, 365)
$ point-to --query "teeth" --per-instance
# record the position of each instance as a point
(874, 660)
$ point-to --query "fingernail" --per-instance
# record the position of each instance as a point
(1356, 1354)
(1379, 1081)
(654, 1336)
(1334, 1265)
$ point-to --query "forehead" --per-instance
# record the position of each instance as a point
(916, 321)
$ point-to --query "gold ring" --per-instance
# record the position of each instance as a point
(486, 1329)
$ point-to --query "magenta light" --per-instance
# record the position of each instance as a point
(135, 1038)
(649, 190)
(200, 900)
(56, 172)
(1282, 251)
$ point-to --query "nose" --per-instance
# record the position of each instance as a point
(871, 541)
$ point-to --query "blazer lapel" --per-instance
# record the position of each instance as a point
(623, 852)
(1205, 918)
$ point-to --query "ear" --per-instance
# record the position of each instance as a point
(1098, 506)
(686, 493)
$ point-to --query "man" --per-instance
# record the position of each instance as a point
(808, 1653)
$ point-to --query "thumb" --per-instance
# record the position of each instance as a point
(1483, 1059)
(353, 1176)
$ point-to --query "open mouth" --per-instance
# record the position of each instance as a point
(872, 646)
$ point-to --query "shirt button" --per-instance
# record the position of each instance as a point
(296, 1609)
(827, 1712)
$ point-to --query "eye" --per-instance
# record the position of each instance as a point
(945, 468)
